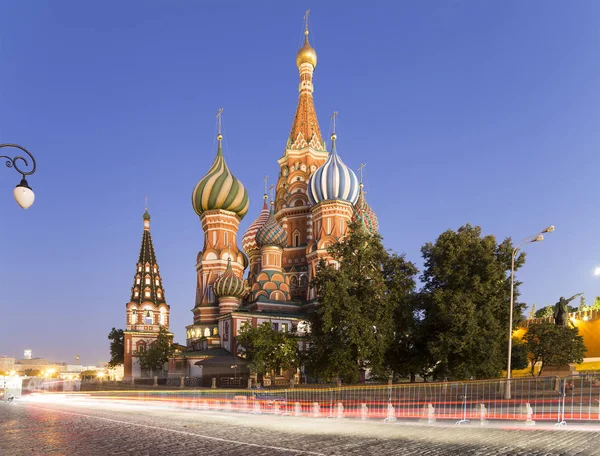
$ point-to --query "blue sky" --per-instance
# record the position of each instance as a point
(464, 111)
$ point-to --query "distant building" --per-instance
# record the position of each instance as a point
(27, 353)
(7, 364)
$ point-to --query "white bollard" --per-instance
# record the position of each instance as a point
(297, 409)
(316, 410)
(529, 415)
(340, 410)
(256, 408)
(391, 414)
(364, 412)
(483, 415)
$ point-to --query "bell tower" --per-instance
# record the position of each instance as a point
(147, 309)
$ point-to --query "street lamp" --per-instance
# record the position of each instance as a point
(539, 237)
(23, 193)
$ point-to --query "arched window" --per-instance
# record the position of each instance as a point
(147, 268)
(206, 332)
(159, 294)
(147, 293)
(134, 317)
(296, 240)
(136, 293)
(137, 280)
(148, 317)
(157, 282)
(163, 317)
(215, 331)
(147, 280)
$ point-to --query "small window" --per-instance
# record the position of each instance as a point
(159, 294)
(139, 268)
(148, 318)
(137, 281)
(284, 327)
(147, 280)
(147, 268)
(147, 294)
(155, 271)
(296, 240)
(136, 294)
(275, 326)
(157, 282)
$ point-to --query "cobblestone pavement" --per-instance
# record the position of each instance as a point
(104, 428)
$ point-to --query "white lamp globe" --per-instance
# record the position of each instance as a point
(24, 196)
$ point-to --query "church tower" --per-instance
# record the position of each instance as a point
(333, 191)
(304, 153)
(221, 202)
(147, 309)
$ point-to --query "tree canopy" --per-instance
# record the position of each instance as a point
(553, 345)
(157, 353)
(465, 303)
(359, 294)
(268, 350)
(117, 347)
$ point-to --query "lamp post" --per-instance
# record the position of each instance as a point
(539, 237)
(23, 193)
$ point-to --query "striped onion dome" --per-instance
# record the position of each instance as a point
(363, 212)
(249, 238)
(271, 233)
(219, 189)
(333, 180)
(229, 284)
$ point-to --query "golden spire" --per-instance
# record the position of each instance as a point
(305, 129)
(219, 134)
(360, 168)
(306, 54)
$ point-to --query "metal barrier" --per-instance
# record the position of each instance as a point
(531, 400)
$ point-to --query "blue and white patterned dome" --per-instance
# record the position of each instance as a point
(333, 180)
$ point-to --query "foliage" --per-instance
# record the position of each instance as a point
(519, 355)
(268, 350)
(583, 307)
(32, 372)
(548, 311)
(88, 373)
(360, 294)
(596, 304)
(117, 347)
(553, 345)
(157, 352)
(465, 302)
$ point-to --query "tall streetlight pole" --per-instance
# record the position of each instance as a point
(539, 237)
(23, 193)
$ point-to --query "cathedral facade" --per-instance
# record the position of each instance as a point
(316, 198)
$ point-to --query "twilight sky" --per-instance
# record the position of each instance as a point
(464, 111)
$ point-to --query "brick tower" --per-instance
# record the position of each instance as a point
(147, 309)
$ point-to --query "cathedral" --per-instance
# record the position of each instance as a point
(315, 198)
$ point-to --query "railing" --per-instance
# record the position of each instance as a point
(533, 399)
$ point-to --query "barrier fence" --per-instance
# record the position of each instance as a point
(527, 400)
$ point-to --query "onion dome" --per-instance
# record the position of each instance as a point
(271, 233)
(147, 216)
(249, 238)
(306, 54)
(229, 284)
(333, 180)
(219, 189)
(364, 213)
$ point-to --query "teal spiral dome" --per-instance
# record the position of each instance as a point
(271, 233)
(229, 285)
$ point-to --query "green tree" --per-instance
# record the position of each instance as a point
(519, 354)
(157, 353)
(544, 312)
(596, 304)
(268, 350)
(553, 345)
(32, 372)
(359, 294)
(583, 307)
(465, 302)
(117, 347)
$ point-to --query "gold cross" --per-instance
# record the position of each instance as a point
(146, 202)
(335, 113)
(265, 181)
(306, 22)
(271, 191)
(219, 119)
(360, 168)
